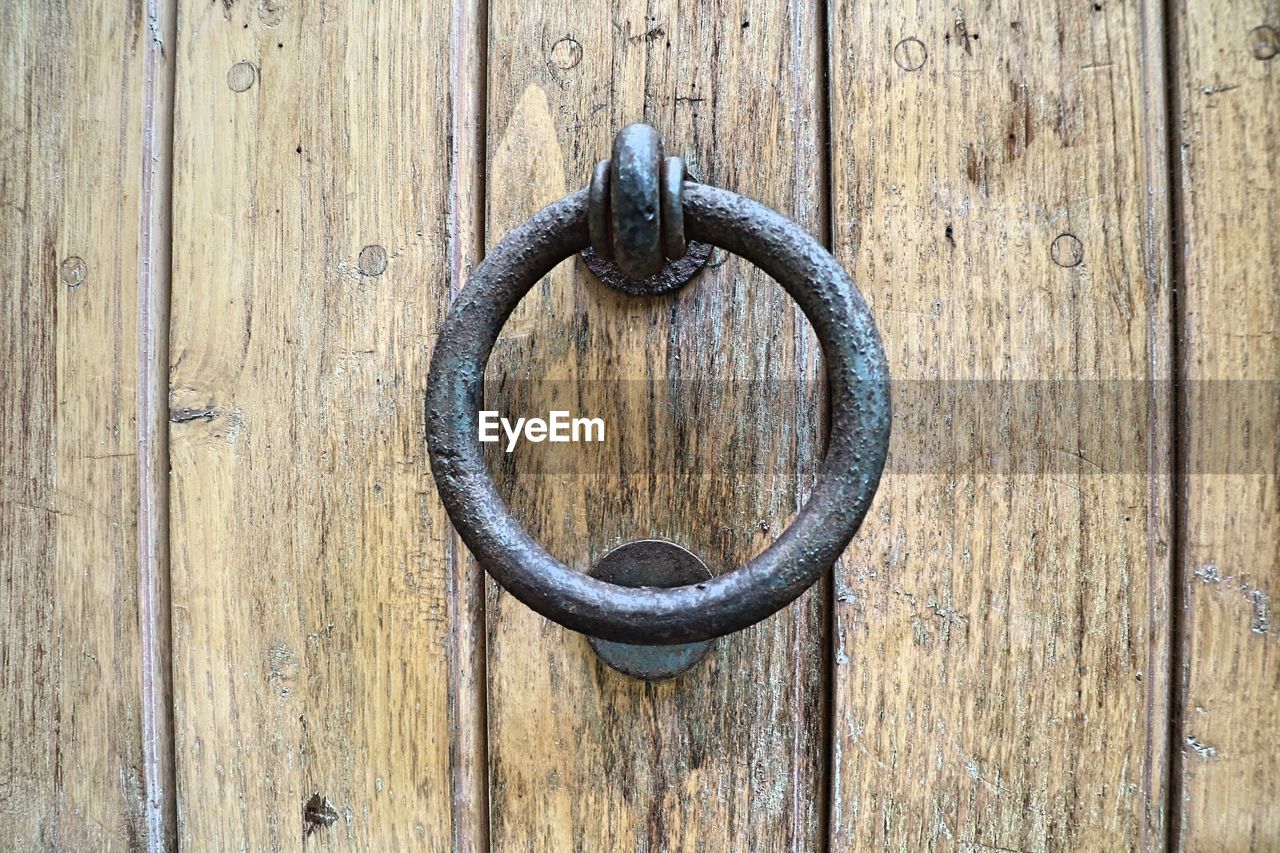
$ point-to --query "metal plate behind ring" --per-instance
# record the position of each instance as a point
(673, 275)
(658, 563)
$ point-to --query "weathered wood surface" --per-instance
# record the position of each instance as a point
(732, 755)
(309, 552)
(1004, 627)
(1002, 621)
(73, 713)
(1228, 135)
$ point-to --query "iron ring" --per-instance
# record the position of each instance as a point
(857, 443)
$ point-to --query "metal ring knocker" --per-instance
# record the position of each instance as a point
(631, 217)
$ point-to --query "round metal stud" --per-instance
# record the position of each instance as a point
(650, 563)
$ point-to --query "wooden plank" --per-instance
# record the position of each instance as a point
(73, 720)
(1001, 623)
(730, 756)
(310, 554)
(1228, 773)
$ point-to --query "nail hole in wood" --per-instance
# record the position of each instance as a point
(1067, 250)
(72, 271)
(241, 76)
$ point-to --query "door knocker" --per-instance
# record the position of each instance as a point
(644, 228)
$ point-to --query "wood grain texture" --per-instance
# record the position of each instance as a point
(1002, 620)
(311, 266)
(711, 431)
(71, 707)
(1228, 129)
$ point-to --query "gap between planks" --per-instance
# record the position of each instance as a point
(155, 627)
(468, 710)
(827, 711)
(1162, 207)
(1178, 491)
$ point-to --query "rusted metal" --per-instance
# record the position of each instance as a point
(850, 473)
(638, 245)
(671, 202)
(655, 563)
(598, 214)
(634, 201)
(673, 275)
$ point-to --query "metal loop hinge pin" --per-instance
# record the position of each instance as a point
(635, 218)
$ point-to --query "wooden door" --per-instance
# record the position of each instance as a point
(235, 616)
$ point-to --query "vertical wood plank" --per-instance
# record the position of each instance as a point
(711, 428)
(72, 714)
(311, 266)
(1225, 101)
(1001, 632)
